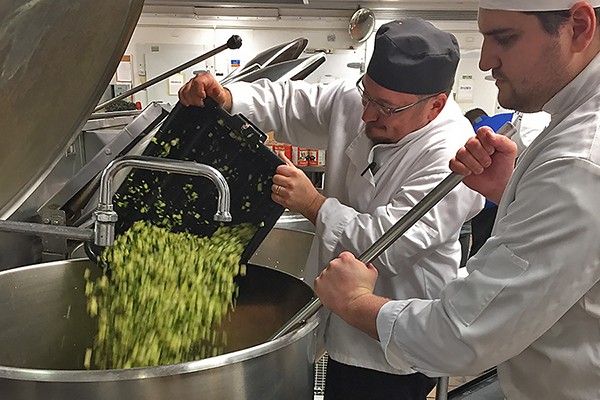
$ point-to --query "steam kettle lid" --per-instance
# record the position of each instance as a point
(51, 81)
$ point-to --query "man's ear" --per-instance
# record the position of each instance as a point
(437, 105)
(583, 25)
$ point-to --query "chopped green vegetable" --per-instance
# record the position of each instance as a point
(166, 296)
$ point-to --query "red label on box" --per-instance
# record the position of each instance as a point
(286, 149)
(300, 156)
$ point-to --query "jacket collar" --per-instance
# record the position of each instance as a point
(362, 152)
(359, 150)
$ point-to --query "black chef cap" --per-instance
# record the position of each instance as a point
(413, 56)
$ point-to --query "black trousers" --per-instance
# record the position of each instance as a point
(345, 382)
(481, 227)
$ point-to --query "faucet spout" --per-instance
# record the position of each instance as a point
(106, 217)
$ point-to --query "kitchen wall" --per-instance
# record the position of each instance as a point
(162, 42)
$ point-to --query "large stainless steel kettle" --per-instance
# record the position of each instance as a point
(46, 329)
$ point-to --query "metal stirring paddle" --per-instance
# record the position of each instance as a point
(388, 238)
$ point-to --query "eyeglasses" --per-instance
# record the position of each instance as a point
(384, 110)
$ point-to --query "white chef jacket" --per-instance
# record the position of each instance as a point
(360, 208)
(531, 302)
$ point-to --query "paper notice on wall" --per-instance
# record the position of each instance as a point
(123, 73)
(175, 83)
(465, 88)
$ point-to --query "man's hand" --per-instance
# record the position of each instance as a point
(346, 288)
(199, 87)
(293, 190)
(487, 160)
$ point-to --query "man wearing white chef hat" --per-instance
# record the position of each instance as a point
(531, 303)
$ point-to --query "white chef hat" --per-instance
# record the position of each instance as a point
(532, 5)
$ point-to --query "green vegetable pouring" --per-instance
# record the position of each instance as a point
(166, 296)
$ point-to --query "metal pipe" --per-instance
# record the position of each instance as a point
(114, 114)
(441, 388)
(35, 229)
(105, 216)
(388, 238)
(234, 42)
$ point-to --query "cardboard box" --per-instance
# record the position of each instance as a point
(286, 149)
(300, 156)
(317, 158)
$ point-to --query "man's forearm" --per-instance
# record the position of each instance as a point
(362, 313)
(312, 210)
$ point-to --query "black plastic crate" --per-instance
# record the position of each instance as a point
(211, 136)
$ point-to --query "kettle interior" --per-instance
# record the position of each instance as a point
(46, 325)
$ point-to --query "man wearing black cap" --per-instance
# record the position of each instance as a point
(378, 167)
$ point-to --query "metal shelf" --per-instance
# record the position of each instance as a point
(312, 168)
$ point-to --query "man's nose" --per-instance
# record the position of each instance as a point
(488, 59)
(370, 113)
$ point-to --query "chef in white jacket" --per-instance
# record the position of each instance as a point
(531, 303)
(377, 169)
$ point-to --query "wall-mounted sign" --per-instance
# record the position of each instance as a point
(175, 83)
(465, 88)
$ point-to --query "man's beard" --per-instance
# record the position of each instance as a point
(530, 94)
(376, 134)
